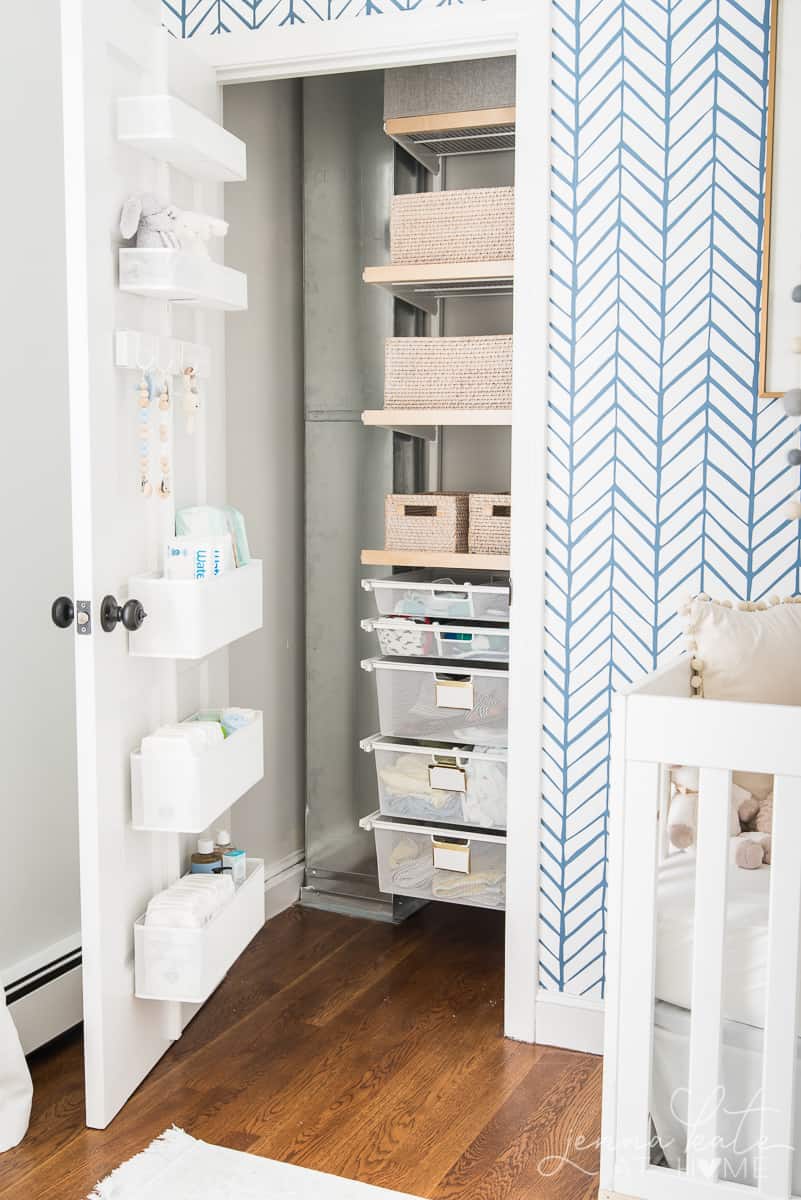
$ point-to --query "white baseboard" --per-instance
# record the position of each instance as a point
(282, 883)
(44, 992)
(570, 1022)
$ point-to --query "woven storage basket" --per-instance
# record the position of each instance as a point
(476, 225)
(463, 372)
(490, 523)
(437, 521)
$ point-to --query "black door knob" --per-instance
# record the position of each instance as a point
(63, 612)
(132, 614)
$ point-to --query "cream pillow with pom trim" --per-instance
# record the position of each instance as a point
(747, 652)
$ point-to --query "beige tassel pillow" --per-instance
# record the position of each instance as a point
(748, 652)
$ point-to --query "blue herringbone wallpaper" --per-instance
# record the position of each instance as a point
(666, 473)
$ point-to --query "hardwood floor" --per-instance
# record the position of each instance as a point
(350, 1047)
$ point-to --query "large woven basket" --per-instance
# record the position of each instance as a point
(461, 372)
(476, 225)
(436, 521)
(490, 523)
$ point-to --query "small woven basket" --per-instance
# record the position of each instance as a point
(436, 521)
(490, 523)
(475, 225)
(461, 372)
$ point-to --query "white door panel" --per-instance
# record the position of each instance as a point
(113, 48)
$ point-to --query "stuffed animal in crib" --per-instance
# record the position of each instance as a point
(749, 819)
(160, 226)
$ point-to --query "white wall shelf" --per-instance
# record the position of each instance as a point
(444, 135)
(442, 560)
(170, 130)
(181, 278)
(184, 792)
(425, 284)
(188, 964)
(423, 422)
(188, 618)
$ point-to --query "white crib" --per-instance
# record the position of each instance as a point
(654, 724)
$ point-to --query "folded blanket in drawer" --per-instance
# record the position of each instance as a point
(451, 885)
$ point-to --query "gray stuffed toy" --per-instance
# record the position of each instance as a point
(152, 223)
(159, 226)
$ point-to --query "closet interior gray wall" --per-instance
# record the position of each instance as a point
(302, 364)
(264, 360)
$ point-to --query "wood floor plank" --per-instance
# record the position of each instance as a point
(346, 1046)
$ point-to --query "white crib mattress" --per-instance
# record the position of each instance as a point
(746, 938)
(738, 1104)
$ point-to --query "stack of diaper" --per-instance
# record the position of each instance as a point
(190, 903)
(199, 734)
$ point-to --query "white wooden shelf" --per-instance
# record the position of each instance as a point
(441, 560)
(179, 792)
(425, 284)
(444, 135)
(166, 128)
(190, 618)
(424, 422)
(181, 278)
(188, 964)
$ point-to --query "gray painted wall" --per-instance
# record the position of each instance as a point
(38, 797)
(264, 354)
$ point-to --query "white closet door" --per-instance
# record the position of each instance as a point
(112, 49)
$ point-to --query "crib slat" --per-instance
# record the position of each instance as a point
(636, 955)
(711, 873)
(781, 1017)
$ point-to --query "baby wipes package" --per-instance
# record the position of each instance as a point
(192, 557)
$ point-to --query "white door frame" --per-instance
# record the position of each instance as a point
(503, 27)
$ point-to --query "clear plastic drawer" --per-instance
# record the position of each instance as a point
(479, 596)
(435, 702)
(406, 637)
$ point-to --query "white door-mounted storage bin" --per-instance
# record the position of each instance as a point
(408, 638)
(435, 701)
(478, 596)
(455, 866)
(182, 792)
(172, 131)
(188, 964)
(191, 618)
(182, 278)
(424, 781)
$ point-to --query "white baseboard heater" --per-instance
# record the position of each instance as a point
(44, 995)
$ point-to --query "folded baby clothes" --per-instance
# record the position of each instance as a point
(485, 798)
(486, 886)
(190, 903)
(411, 864)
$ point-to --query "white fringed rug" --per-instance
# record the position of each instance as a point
(178, 1167)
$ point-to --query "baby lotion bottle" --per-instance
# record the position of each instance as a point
(207, 861)
(233, 858)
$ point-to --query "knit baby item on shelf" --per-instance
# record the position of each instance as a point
(411, 864)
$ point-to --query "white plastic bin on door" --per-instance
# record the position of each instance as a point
(188, 964)
(182, 792)
(475, 596)
(454, 866)
(406, 638)
(426, 781)
(435, 701)
(191, 618)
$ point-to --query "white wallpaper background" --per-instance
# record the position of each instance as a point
(666, 474)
